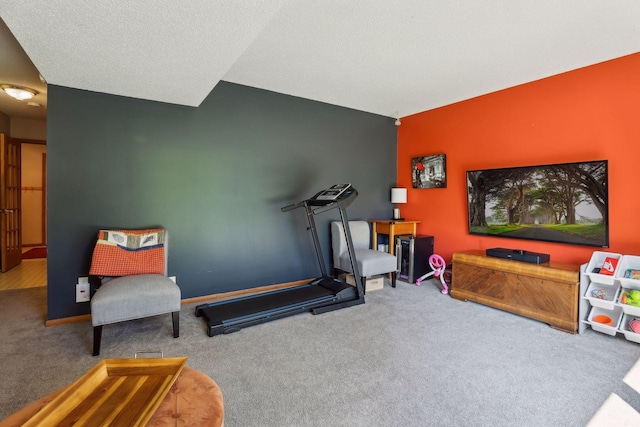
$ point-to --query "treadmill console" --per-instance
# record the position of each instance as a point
(334, 196)
(339, 193)
(332, 193)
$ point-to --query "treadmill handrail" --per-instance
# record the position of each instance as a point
(325, 208)
(293, 206)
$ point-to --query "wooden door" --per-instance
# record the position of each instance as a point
(10, 195)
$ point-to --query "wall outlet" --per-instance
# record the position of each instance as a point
(82, 292)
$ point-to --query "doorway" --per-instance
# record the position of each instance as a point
(31, 269)
(34, 172)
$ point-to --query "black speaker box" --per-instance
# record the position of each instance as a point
(519, 255)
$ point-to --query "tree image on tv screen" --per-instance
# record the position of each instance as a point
(564, 203)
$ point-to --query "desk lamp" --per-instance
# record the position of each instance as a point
(398, 195)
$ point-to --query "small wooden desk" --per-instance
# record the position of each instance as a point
(392, 227)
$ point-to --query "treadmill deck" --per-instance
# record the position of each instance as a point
(232, 315)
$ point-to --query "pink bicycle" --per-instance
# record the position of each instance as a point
(438, 267)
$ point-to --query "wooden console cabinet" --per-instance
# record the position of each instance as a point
(546, 292)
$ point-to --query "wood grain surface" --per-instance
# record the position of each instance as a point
(546, 292)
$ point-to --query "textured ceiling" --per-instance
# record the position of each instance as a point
(385, 57)
(16, 68)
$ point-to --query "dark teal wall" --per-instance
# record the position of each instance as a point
(215, 176)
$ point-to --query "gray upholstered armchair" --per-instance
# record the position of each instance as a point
(129, 269)
(370, 262)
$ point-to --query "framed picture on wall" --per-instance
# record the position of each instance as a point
(429, 171)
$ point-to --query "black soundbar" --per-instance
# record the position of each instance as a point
(519, 255)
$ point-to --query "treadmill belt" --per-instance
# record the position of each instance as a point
(263, 304)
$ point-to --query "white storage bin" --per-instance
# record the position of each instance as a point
(597, 260)
(610, 295)
(628, 308)
(614, 315)
(626, 330)
(628, 262)
(373, 283)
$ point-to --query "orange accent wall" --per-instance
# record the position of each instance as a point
(592, 113)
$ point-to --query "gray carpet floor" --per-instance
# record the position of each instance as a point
(410, 356)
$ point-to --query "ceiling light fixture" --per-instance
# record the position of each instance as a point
(18, 92)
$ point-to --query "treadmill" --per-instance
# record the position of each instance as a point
(320, 295)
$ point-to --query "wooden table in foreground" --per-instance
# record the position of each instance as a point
(546, 292)
(392, 227)
(193, 400)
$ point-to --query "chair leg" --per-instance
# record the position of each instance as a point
(364, 285)
(97, 339)
(175, 316)
(393, 279)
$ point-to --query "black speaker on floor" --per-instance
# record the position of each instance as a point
(413, 256)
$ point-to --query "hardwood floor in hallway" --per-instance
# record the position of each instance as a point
(31, 273)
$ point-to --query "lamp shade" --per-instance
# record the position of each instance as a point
(398, 195)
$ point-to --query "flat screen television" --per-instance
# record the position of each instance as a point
(563, 203)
